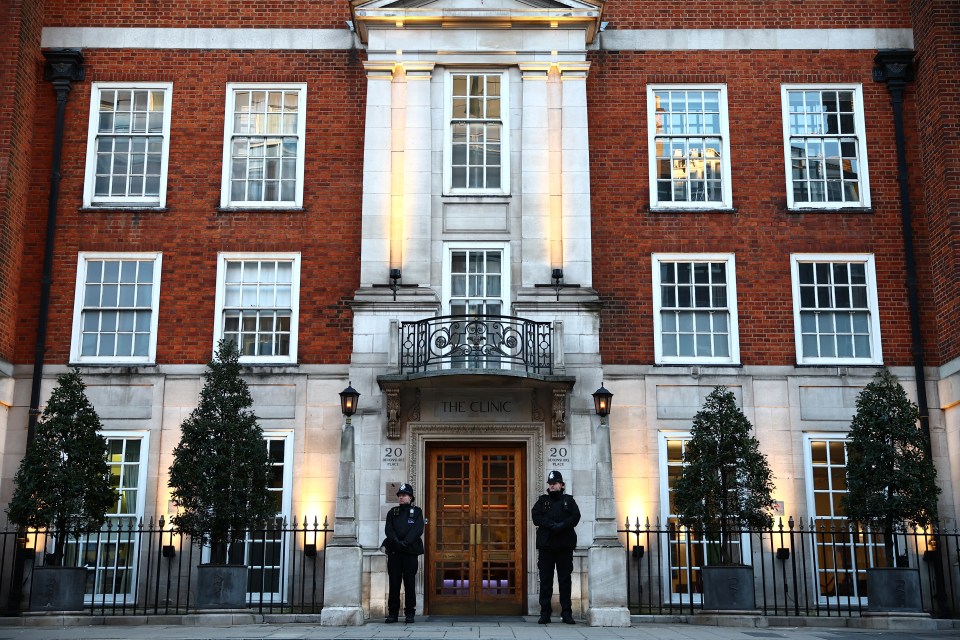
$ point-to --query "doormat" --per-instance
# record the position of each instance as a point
(473, 619)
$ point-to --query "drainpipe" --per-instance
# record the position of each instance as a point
(63, 67)
(893, 66)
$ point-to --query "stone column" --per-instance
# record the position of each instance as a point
(575, 180)
(417, 148)
(607, 573)
(376, 201)
(343, 566)
(535, 175)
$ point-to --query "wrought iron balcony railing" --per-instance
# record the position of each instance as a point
(476, 342)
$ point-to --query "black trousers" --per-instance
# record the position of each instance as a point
(562, 561)
(402, 566)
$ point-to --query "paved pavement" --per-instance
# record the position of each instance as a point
(452, 629)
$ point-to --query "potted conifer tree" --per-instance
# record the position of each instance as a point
(219, 479)
(724, 487)
(891, 482)
(63, 487)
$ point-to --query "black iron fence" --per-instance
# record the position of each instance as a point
(817, 568)
(814, 568)
(137, 568)
(476, 342)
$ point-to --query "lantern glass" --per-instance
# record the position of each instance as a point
(602, 399)
(348, 400)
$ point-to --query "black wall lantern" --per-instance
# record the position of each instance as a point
(348, 401)
(602, 399)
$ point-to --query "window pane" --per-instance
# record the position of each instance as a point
(833, 176)
(263, 289)
(107, 331)
(684, 160)
(475, 131)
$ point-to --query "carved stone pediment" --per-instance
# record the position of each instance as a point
(421, 14)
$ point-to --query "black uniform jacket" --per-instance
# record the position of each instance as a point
(404, 528)
(556, 515)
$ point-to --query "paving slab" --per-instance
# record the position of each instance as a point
(237, 627)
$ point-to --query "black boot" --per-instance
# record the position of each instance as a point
(567, 618)
(391, 619)
(409, 618)
(544, 618)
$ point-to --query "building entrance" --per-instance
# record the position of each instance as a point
(475, 562)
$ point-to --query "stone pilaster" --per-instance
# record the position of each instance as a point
(535, 175)
(376, 203)
(418, 138)
(575, 175)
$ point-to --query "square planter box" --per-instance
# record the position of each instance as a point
(58, 588)
(894, 590)
(221, 586)
(728, 588)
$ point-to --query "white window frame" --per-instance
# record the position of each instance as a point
(733, 326)
(76, 343)
(876, 353)
(91, 200)
(832, 436)
(724, 135)
(492, 361)
(448, 188)
(222, 260)
(228, 133)
(860, 133)
(450, 247)
(130, 597)
(286, 507)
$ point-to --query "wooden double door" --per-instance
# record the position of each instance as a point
(475, 561)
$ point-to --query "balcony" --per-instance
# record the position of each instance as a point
(476, 342)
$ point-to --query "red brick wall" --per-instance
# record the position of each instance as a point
(20, 22)
(756, 14)
(936, 39)
(191, 231)
(761, 233)
(313, 14)
(635, 14)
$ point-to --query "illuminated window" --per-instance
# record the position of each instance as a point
(111, 556)
(835, 309)
(842, 556)
(257, 300)
(689, 147)
(264, 148)
(477, 137)
(265, 549)
(695, 308)
(688, 552)
(127, 145)
(826, 151)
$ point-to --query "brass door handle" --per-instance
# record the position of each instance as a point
(475, 530)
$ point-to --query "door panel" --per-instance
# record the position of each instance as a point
(475, 558)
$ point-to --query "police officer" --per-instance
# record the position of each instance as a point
(555, 516)
(403, 528)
